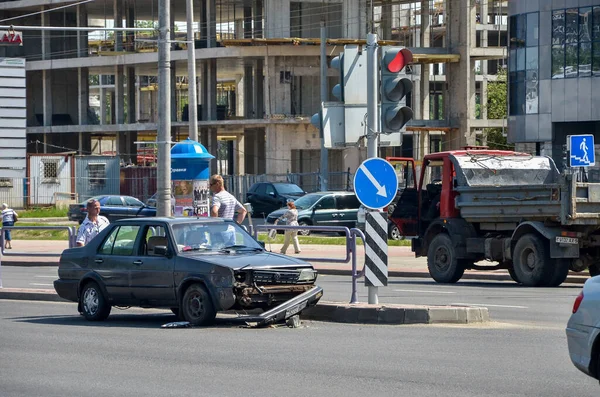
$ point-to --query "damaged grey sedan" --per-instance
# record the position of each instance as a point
(194, 266)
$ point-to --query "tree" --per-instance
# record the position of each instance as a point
(496, 109)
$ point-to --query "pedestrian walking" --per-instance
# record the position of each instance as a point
(224, 205)
(92, 225)
(291, 218)
(9, 217)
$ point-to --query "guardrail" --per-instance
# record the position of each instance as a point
(72, 230)
(351, 235)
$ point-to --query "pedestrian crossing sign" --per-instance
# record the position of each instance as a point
(581, 150)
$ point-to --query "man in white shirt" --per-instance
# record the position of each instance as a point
(224, 205)
(92, 225)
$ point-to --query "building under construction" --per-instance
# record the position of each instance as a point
(258, 75)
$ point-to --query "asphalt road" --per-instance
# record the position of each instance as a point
(49, 350)
(505, 300)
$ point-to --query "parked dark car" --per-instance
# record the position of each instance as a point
(113, 207)
(323, 209)
(267, 197)
(195, 267)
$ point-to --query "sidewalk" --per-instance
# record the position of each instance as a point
(401, 261)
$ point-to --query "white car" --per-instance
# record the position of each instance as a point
(583, 329)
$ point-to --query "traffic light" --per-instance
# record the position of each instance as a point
(338, 89)
(394, 88)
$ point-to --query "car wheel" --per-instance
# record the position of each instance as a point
(394, 233)
(532, 262)
(94, 304)
(197, 307)
(304, 232)
(441, 260)
(175, 311)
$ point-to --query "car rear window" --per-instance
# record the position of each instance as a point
(288, 188)
(347, 202)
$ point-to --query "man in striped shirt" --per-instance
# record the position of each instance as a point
(224, 203)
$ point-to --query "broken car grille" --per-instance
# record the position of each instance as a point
(276, 276)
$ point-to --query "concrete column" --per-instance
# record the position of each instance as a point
(425, 69)
(257, 15)
(277, 18)
(259, 99)
(240, 103)
(460, 77)
(386, 20)
(484, 64)
(211, 25)
(239, 28)
(209, 89)
(246, 102)
(118, 20)
(138, 100)
(131, 96)
(247, 23)
(83, 95)
(47, 97)
(82, 37)
(46, 35)
(102, 102)
(239, 150)
(130, 23)
(350, 14)
(119, 109)
(174, 104)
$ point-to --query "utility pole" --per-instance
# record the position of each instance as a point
(164, 110)
(372, 100)
(192, 101)
(324, 94)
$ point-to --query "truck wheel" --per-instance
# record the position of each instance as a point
(441, 260)
(561, 271)
(594, 269)
(512, 274)
(532, 263)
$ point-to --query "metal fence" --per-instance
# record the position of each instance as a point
(20, 192)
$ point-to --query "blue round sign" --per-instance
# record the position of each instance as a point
(375, 183)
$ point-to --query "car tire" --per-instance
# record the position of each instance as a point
(394, 233)
(175, 311)
(305, 232)
(442, 263)
(93, 303)
(197, 307)
(532, 263)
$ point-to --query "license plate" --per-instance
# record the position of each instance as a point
(567, 240)
(295, 310)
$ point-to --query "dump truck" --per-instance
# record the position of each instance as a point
(514, 210)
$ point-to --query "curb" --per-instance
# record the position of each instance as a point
(360, 313)
(363, 313)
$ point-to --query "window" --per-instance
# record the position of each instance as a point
(133, 202)
(270, 189)
(155, 236)
(120, 241)
(49, 171)
(114, 201)
(261, 189)
(326, 203)
(524, 64)
(97, 173)
(347, 202)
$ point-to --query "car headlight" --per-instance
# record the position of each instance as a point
(307, 275)
(222, 277)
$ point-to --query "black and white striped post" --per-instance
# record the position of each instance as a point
(376, 253)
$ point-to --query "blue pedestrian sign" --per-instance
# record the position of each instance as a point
(581, 148)
(375, 183)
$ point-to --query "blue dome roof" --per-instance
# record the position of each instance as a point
(190, 149)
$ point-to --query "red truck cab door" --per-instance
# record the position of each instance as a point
(447, 203)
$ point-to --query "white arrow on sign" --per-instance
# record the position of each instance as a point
(380, 189)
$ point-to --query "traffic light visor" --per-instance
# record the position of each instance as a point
(397, 60)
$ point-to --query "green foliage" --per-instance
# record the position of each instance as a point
(325, 240)
(45, 212)
(497, 105)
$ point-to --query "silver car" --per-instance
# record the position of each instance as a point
(583, 329)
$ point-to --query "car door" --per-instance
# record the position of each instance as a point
(255, 198)
(347, 206)
(114, 209)
(152, 273)
(135, 208)
(114, 261)
(272, 200)
(325, 212)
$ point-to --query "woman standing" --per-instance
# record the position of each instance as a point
(291, 217)
(9, 217)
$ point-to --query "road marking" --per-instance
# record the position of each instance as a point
(40, 284)
(424, 291)
(485, 305)
(380, 189)
(46, 276)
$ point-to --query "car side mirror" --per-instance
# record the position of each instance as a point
(272, 194)
(161, 250)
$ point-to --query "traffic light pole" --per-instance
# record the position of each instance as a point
(324, 95)
(372, 100)
(163, 180)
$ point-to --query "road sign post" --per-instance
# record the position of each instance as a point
(375, 185)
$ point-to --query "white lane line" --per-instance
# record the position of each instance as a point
(45, 285)
(46, 276)
(486, 305)
(424, 291)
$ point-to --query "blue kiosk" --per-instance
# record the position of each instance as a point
(190, 171)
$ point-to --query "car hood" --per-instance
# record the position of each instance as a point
(292, 195)
(247, 260)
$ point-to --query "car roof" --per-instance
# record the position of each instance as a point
(173, 220)
(340, 192)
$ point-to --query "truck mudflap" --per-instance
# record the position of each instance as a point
(284, 311)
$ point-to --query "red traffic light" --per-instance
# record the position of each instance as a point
(400, 60)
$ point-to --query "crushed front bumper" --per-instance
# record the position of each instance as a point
(285, 310)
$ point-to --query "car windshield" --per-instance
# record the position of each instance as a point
(307, 201)
(288, 188)
(213, 236)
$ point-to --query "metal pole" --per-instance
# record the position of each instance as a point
(324, 92)
(163, 201)
(192, 101)
(372, 100)
(74, 28)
